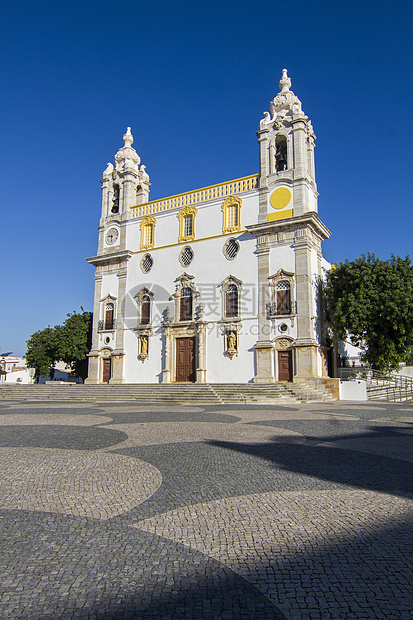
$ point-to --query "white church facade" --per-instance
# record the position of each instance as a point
(216, 285)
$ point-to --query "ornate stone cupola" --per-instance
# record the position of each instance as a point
(125, 184)
(286, 139)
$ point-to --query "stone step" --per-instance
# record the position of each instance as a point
(198, 393)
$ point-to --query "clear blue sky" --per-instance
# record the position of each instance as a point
(192, 79)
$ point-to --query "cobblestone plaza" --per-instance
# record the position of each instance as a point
(116, 511)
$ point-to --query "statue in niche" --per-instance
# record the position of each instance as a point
(232, 341)
(144, 346)
(231, 345)
(281, 155)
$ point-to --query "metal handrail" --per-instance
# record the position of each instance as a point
(106, 325)
(388, 386)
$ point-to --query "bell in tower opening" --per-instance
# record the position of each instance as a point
(281, 153)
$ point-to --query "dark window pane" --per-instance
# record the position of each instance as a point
(109, 318)
(283, 302)
(186, 304)
(145, 310)
(232, 301)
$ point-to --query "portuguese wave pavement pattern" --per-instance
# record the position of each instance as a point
(125, 511)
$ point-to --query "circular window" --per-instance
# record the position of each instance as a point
(107, 340)
(146, 263)
(186, 256)
(283, 328)
(231, 249)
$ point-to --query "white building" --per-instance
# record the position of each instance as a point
(220, 284)
(15, 370)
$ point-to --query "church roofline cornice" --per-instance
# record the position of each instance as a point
(110, 259)
(307, 219)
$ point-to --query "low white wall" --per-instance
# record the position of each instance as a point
(406, 371)
(353, 390)
(20, 376)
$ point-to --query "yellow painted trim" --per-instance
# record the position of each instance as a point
(231, 201)
(181, 215)
(172, 245)
(149, 220)
(281, 215)
(197, 196)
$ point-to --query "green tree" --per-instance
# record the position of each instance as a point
(371, 302)
(74, 339)
(42, 352)
(69, 343)
(409, 356)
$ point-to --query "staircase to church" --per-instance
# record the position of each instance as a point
(182, 393)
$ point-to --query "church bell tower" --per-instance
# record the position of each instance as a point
(124, 185)
(287, 177)
(288, 219)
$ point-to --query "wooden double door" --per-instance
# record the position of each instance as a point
(285, 366)
(185, 359)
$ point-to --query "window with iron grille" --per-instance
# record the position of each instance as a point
(188, 225)
(232, 216)
(146, 263)
(148, 235)
(231, 212)
(231, 249)
(186, 256)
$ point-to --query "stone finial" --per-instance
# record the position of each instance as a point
(128, 138)
(285, 82)
(127, 154)
(109, 170)
(144, 174)
(285, 102)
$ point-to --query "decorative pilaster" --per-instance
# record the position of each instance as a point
(93, 364)
(93, 368)
(264, 347)
(119, 353)
(306, 345)
(201, 339)
(166, 371)
(264, 144)
(265, 363)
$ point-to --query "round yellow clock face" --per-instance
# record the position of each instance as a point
(280, 198)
